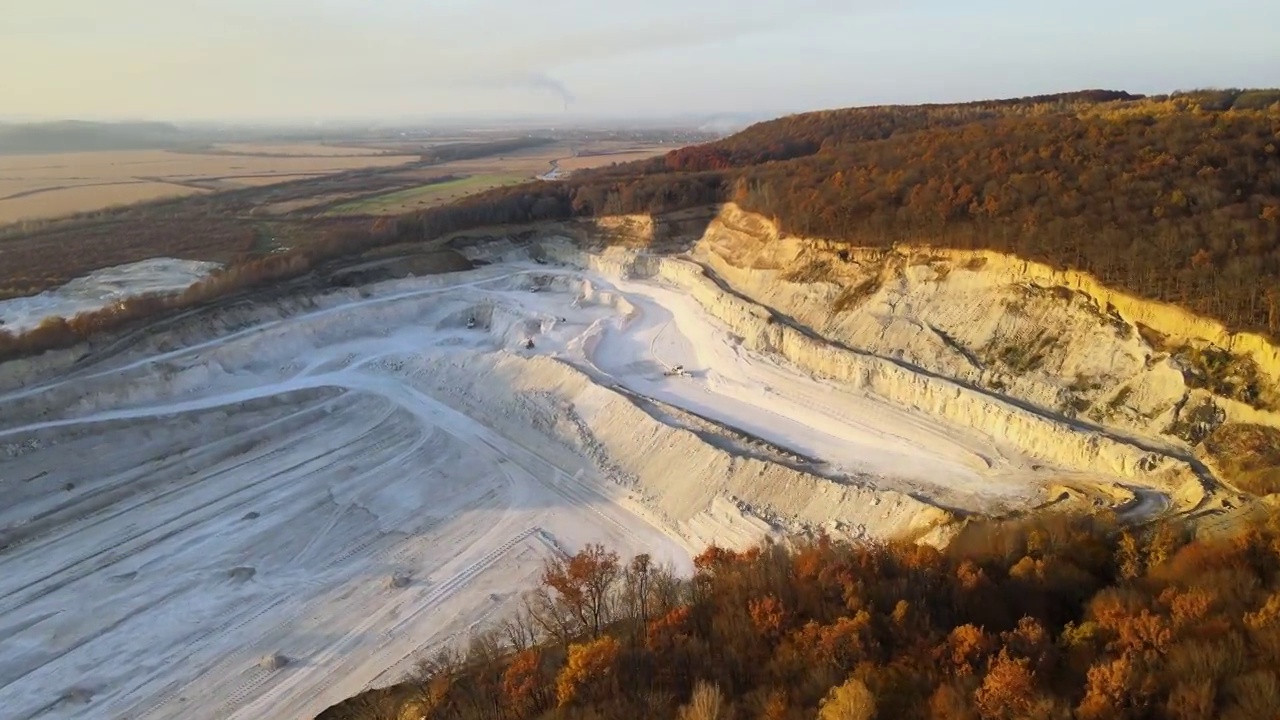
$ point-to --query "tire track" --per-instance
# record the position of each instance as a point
(183, 521)
(259, 329)
(230, 666)
(447, 589)
(434, 597)
(97, 634)
(372, 618)
(130, 481)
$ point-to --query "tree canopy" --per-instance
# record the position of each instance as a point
(1173, 198)
(1054, 617)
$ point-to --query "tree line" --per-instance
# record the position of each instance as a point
(1172, 198)
(1056, 617)
(1175, 198)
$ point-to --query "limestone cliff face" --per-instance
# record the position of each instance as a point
(656, 461)
(1039, 434)
(1016, 348)
(1058, 339)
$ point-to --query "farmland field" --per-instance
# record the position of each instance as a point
(228, 202)
(298, 149)
(608, 157)
(40, 187)
(55, 201)
(46, 186)
(427, 195)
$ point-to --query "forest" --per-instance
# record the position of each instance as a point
(1172, 198)
(1055, 617)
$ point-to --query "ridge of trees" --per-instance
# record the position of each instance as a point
(1054, 617)
(469, 150)
(1173, 198)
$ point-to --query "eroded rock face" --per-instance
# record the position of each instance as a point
(1057, 341)
(1039, 432)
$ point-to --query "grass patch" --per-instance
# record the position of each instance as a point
(427, 195)
(1103, 413)
(1247, 455)
(1025, 357)
(1216, 370)
(1221, 373)
(1078, 400)
(1078, 404)
(1084, 383)
(854, 295)
(1195, 424)
(1121, 397)
(811, 271)
(1156, 339)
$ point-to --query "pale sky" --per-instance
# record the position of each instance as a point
(310, 59)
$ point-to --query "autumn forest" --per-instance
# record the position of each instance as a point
(1058, 617)
(1172, 198)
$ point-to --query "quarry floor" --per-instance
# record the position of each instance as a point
(309, 483)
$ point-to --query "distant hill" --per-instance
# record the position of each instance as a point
(82, 136)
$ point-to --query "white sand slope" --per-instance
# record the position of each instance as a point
(350, 480)
(102, 288)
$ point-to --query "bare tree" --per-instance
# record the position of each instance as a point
(446, 661)
(666, 590)
(485, 647)
(637, 583)
(520, 630)
(552, 617)
(707, 703)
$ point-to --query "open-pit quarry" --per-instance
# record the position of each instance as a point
(262, 508)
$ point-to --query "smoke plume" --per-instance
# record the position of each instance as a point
(544, 82)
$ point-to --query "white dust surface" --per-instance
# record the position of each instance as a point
(262, 481)
(102, 288)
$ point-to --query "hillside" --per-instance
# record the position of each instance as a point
(1095, 256)
(1171, 198)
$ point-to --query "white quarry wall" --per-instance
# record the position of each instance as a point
(686, 481)
(1052, 439)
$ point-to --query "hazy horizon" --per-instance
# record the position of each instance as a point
(338, 60)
